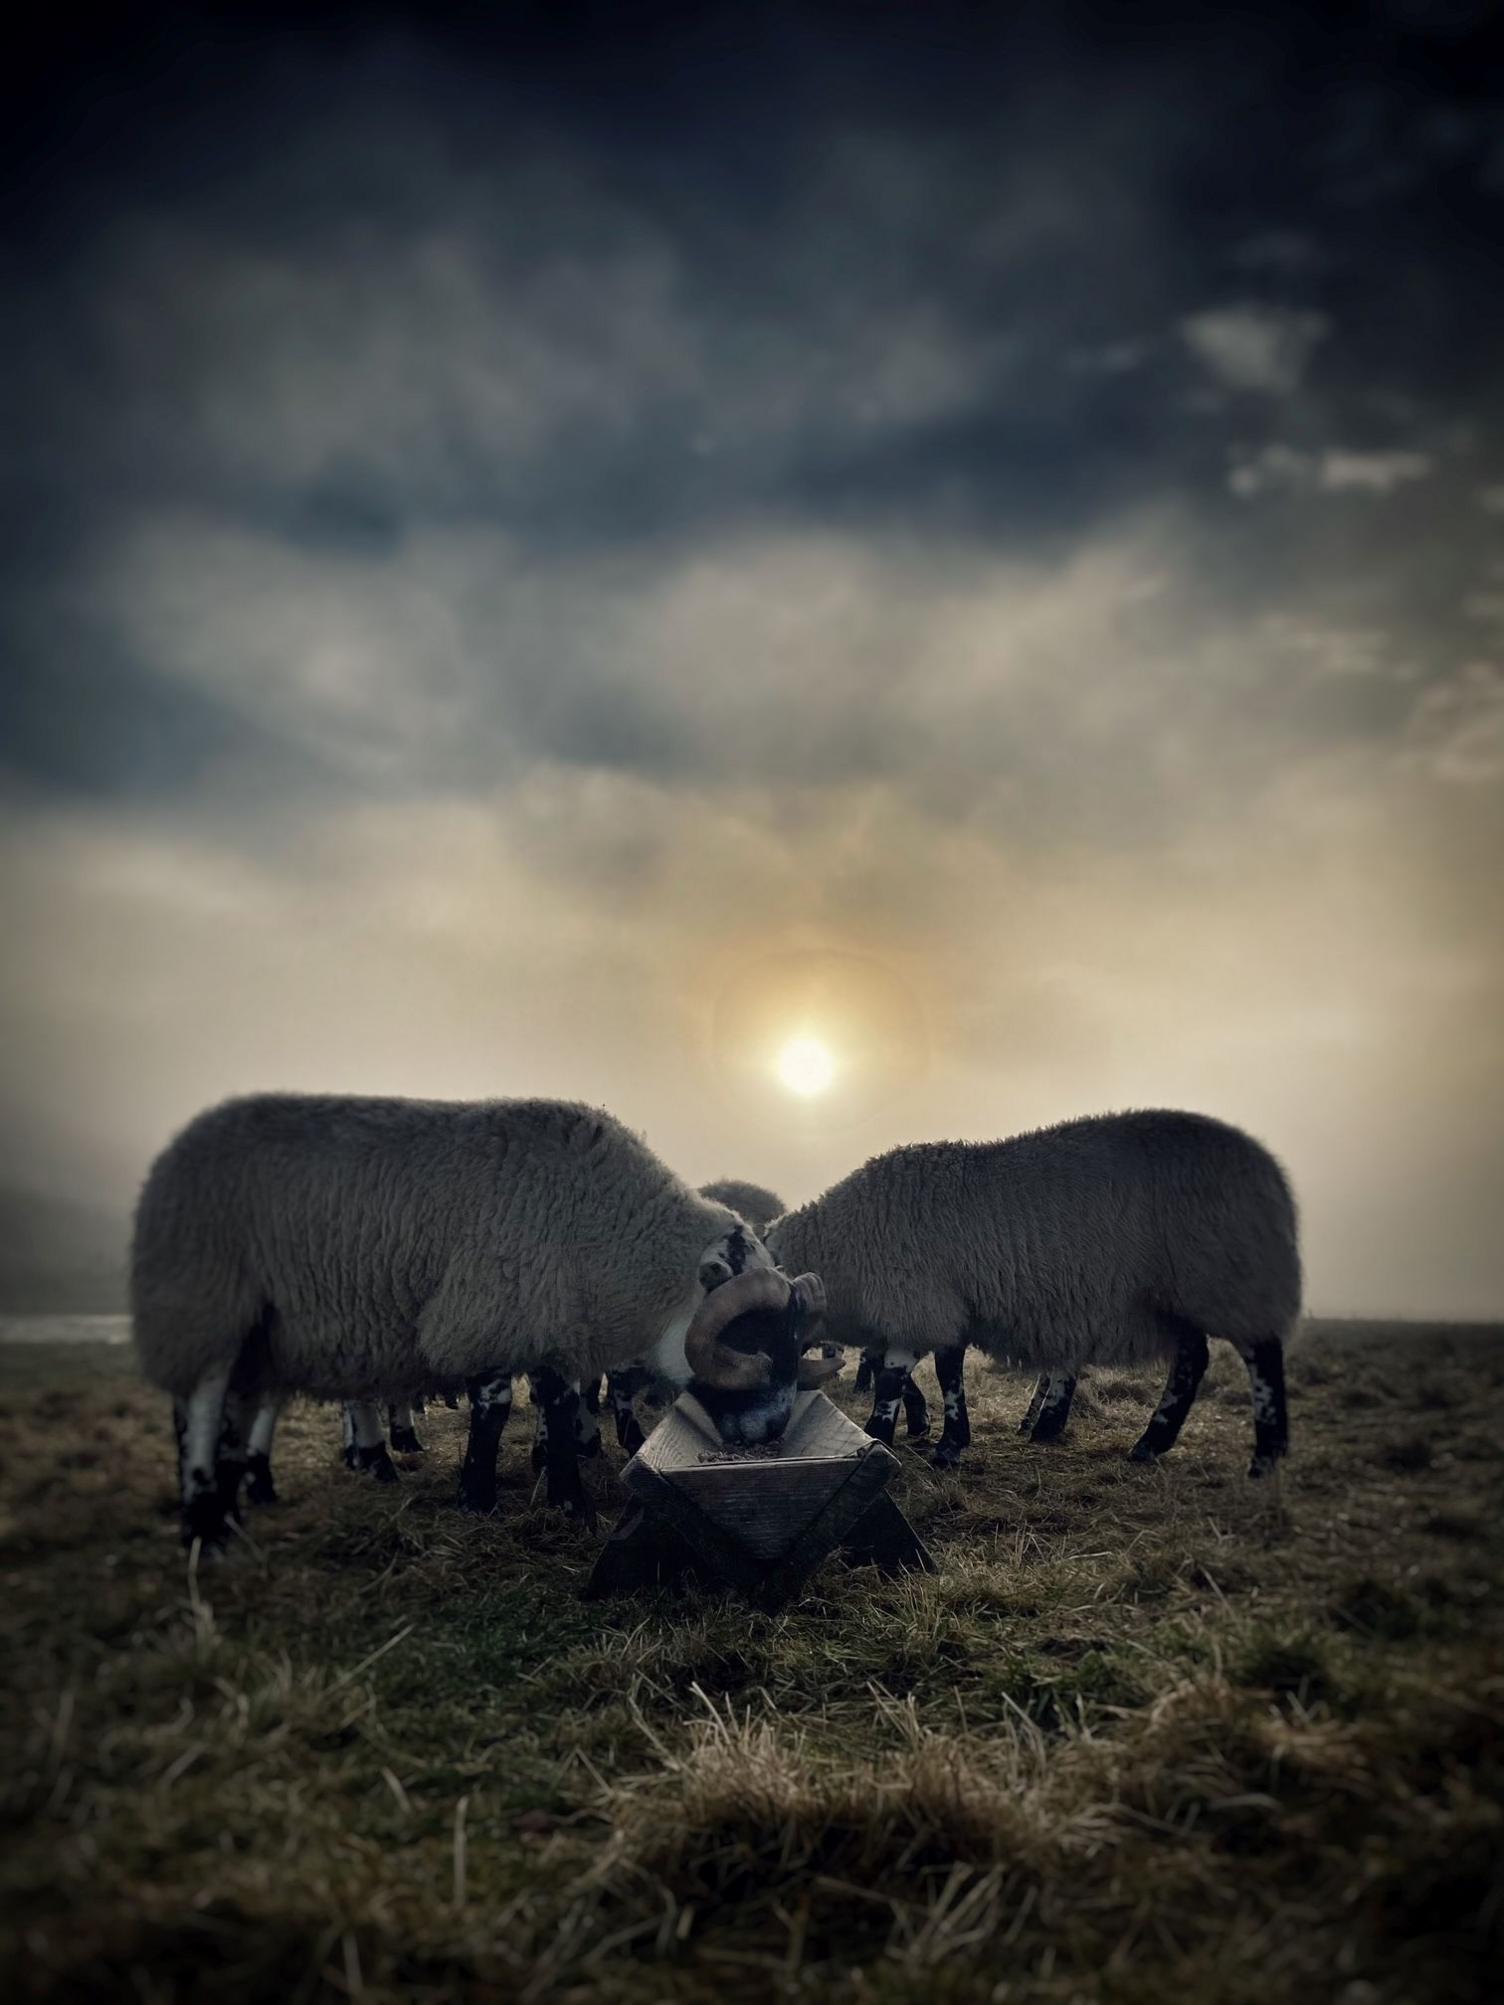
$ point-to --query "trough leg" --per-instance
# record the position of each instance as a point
(1265, 1360)
(198, 1419)
(490, 1406)
(404, 1435)
(369, 1442)
(884, 1538)
(1187, 1369)
(260, 1489)
(950, 1369)
(1026, 1425)
(1055, 1410)
(888, 1394)
(560, 1399)
(622, 1387)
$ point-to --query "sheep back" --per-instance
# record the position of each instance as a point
(753, 1202)
(374, 1243)
(1073, 1242)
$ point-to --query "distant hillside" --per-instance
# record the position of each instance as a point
(56, 1254)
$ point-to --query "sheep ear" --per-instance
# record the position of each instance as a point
(813, 1372)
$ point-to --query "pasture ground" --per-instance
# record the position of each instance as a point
(1153, 1733)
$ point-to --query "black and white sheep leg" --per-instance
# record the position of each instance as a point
(887, 1397)
(197, 1421)
(587, 1418)
(1055, 1407)
(230, 1457)
(560, 1399)
(368, 1442)
(1265, 1360)
(950, 1370)
(622, 1388)
(404, 1435)
(1026, 1425)
(916, 1410)
(490, 1409)
(260, 1489)
(1187, 1369)
(867, 1370)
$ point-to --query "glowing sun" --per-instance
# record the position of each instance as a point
(806, 1067)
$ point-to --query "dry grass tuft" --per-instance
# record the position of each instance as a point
(1151, 1732)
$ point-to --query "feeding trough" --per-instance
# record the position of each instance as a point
(758, 1519)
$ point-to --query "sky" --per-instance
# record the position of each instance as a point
(558, 556)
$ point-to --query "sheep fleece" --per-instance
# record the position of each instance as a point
(389, 1244)
(754, 1202)
(1070, 1243)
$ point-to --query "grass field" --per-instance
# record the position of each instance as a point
(1151, 1733)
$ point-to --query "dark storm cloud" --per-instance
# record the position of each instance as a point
(499, 509)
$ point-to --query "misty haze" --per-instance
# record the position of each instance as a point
(817, 578)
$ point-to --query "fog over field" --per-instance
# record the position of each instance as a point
(545, 565)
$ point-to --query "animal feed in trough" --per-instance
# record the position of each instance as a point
(758, 1519)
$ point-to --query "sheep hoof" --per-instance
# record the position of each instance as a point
(945, 1456)
(405, 1441)
(1263, 1465)
(919, 1432)
(376, 1463)
(260, 1489)
(589, 1449)
(204, 1520)
(1142, 1452)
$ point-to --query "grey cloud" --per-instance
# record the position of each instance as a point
(1253, 348)
(1279, 468)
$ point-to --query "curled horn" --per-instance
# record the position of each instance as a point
(813, 1372)
(717, 1364)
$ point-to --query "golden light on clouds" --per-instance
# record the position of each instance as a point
(806, 1067)
(825, 1038)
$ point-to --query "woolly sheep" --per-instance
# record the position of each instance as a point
(1108, 1240)
(366, 1249)
(752, 1202)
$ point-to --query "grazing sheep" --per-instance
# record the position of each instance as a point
(752, 1202)
(1107, 1240)
(365, 1249)
(755, 1203)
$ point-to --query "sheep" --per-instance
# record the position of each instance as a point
(367, 1248)
(752, 1202)
(1105, 1240)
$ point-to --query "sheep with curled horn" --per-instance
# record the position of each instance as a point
(367, 1249)
(1108, 1240)
(365, 1439)
(752, 1202)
